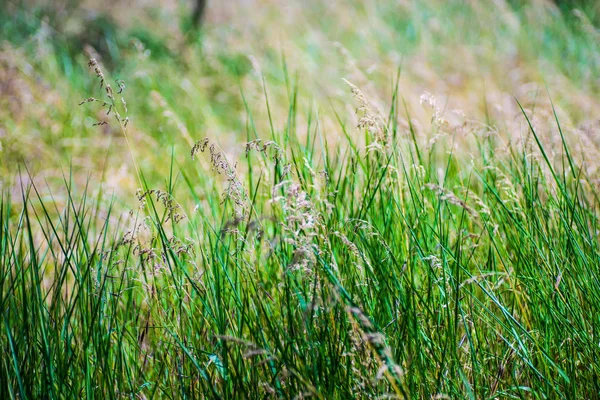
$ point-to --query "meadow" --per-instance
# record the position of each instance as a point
(302, 199)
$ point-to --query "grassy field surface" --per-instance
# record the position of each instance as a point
(304, 199)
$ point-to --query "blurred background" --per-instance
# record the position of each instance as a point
(191, 74)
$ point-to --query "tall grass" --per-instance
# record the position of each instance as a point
(378, 268)
(262, 228)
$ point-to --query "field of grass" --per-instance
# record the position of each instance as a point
(305, 199)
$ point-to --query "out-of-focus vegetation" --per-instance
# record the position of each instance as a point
(182, 84)
(330, 199)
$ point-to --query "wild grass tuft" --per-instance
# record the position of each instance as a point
(256, 233)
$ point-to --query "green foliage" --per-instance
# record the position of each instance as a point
(371, 277)
(285, 242)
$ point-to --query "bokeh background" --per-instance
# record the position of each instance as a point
(186, 82)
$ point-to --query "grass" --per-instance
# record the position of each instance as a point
(295, 236)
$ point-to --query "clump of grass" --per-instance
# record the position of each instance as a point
(409, 274)
(410, 253)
